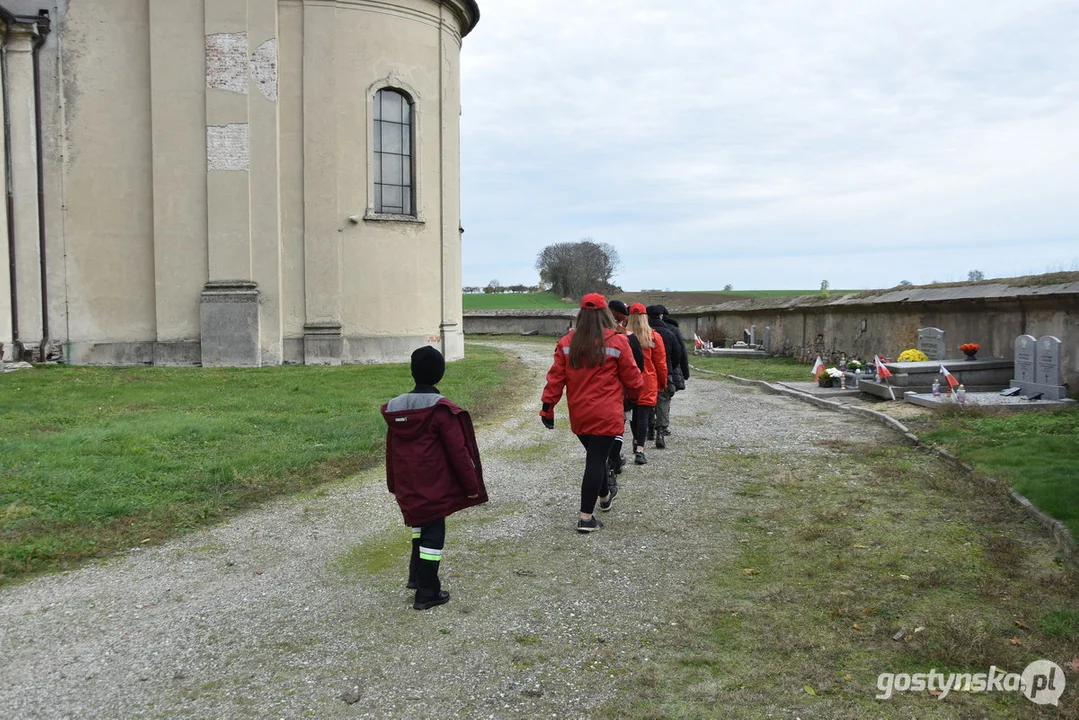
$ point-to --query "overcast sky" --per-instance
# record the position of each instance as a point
(773, 143)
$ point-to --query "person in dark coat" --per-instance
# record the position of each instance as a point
(433, 469)
(677, 330)
(662, 414)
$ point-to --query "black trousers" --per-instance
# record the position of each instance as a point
(594, 483)
(427, 543)
(639, 424)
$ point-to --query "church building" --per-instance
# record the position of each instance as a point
(231, 182)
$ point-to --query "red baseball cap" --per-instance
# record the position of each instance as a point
(637, 309)
(593, 301)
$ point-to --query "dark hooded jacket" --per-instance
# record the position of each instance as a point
(673, 325)
(432, 460)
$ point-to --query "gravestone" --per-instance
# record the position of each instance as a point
(745, 337)
(1039, 360)
(768, 339)
(1025, 349)
(753, 335)
(1047, 368)
(931, 342)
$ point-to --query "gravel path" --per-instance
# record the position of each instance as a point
(262, 618)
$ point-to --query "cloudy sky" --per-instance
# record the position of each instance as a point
(773, 143)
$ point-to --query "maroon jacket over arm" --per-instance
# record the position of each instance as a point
(432, 461)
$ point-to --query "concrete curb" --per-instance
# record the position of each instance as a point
(1060, 533)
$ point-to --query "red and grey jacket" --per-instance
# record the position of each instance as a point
(432, 460)
(655, 367)
(594, 394)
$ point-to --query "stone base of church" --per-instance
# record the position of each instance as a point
(229, 321)
(324, 349)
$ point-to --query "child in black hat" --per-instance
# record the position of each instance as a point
(432, 468)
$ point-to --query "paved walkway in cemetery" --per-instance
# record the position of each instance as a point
(266, 616)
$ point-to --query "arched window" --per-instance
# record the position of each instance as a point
(394, 189)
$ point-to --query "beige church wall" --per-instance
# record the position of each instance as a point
(178, 111)
(108, 173)
(290, 113)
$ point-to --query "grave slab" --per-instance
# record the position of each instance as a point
(987, 400)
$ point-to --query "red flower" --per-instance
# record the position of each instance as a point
(970, 347)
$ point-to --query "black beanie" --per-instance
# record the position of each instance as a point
(654, 310)
(617, 306)
(428, 365)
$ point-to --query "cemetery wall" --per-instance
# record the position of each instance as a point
(862, 325)
(866, 329)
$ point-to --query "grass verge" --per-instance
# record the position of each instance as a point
(1037, 453)
(776, 369)
(96, 460)
(866, 560)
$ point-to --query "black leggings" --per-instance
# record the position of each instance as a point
(594, 484)
(639, 424)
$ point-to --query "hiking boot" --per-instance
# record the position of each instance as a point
(639, 459)
(589, 526)
(605, 506)
(661, 442)
(442, 598)
(617, 464)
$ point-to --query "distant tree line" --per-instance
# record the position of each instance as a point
(496, 287)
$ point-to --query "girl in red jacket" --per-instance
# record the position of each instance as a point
(432, 468)
(594, 364)
(655, 367)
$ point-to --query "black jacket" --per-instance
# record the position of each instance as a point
(673, 324)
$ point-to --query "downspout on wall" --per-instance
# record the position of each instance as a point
(9, 19)
(42, 27)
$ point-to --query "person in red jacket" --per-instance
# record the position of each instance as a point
(594, 365)
(433, 469)
(655, 367)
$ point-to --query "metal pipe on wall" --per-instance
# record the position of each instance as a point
(42, 27)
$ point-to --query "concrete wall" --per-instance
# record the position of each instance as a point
(891, 321)
(992, 315)
(190, 144)
(516, 322)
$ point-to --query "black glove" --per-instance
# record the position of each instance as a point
(547, 416)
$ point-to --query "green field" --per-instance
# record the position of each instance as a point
(513, 301)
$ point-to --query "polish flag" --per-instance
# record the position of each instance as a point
(697, 342)
(952, 382)
(818, 368)
(884, 372)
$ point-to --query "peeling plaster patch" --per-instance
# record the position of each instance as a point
(264, 69)
(226, 62)
(228, 147)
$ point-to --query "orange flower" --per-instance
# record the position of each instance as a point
(970, 347)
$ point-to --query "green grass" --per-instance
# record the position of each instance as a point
(95, 460)
(776, 369)
(1037, 453)
(513, 301)
(837, 555)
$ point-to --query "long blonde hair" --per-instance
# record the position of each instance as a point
(638, 325)
(586, 347)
